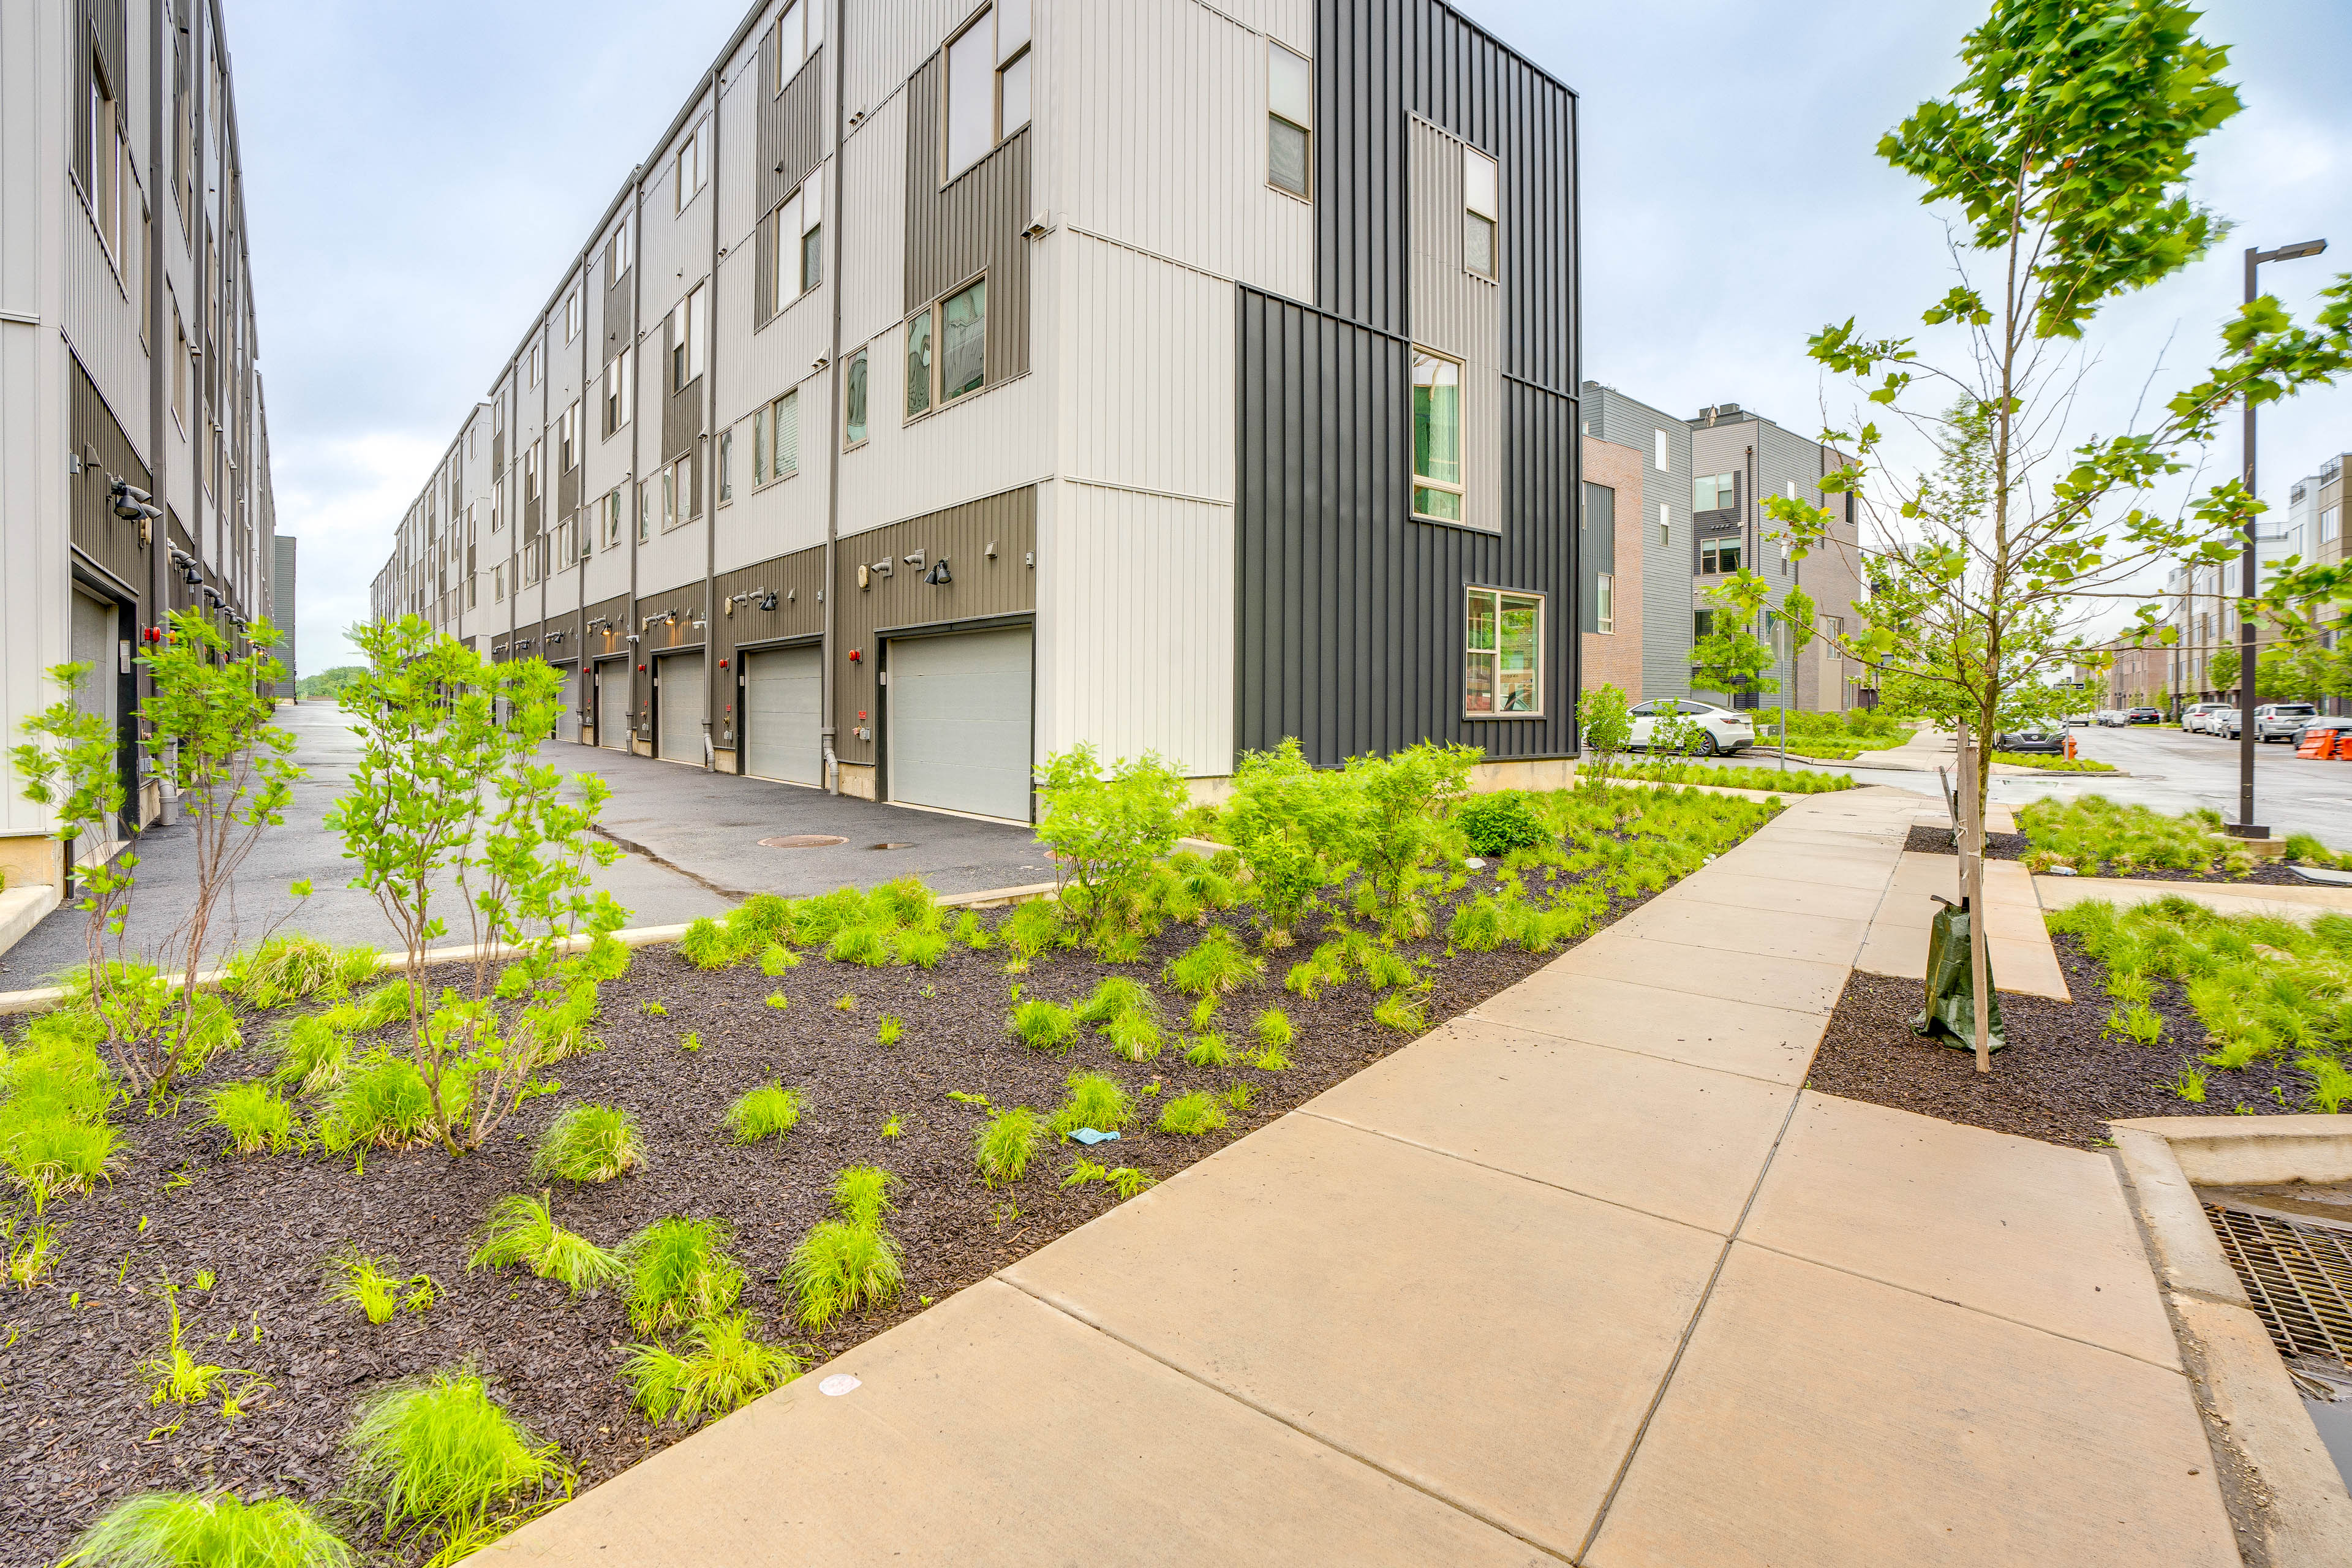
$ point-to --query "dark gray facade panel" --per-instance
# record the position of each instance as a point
(791, 126)
(1596, 553)
(567, 488)
(104, 538)
(1349, 614)
(971, 226)
(620, 316)
(681, 405)
(1358, 160)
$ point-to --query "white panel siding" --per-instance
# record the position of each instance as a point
(889, 39)
(789, 513)
(1158, 412)
(1159, 122)
(101, 321)
(874, 230)
(1135, 627)
(984, 442)
(754, 367)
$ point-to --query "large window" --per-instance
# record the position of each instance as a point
(1715, 492)
(531, 473)
(687, 329)
(1437, 438)
(1481, 212)
(797, 34)
(1502, 661)
(1290, 120)
(611, 510)
(776, 439)
(574, 315)
(797, 247)
(2327, 515)
(1719, 555)
(946, 349)
(617, 254)
(694, 162)
(853, 399)
(567, 428)
(987, 84)
(677, 494)
(620, 382)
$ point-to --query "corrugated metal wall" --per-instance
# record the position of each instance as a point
(1359, 162)
(793, 132)
(1170, 429)
(681, 419)
(970, 226)
(873, 223)
(96, 532)
(102, 323)
(1456, 312)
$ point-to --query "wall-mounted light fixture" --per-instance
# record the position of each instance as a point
(768, 601)
(938, 576)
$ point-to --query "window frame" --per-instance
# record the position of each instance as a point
(1604, 603)
(1717, 548)
(726, 468)
(1458, 488)
(1498, 594)
(1658, 452)
(1724, 486)
(1306, 131)
(857, 357)
(1665, 525)
(575, 313)
(933, 317)
(1004, 55)
(608, 505)
(1471, 158)
(693, 162)
(767, 449)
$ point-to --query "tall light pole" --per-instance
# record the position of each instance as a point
(2250, 580)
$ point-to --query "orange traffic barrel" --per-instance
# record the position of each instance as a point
(2317, 743)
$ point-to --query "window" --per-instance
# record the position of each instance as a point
(530, 562)
(947, 350)
(1501, 661)
(2327, 523)
(105, 192)
(726, 467)
(574, 314)
(645, 511)
(918, 364)
(1715, 492)
(179, 369)
(1658, 453)
(694, 162)
(1437, 438)
(1702, 624)
(797, 34)
(568, 440)
(686, 345)
(1289, 118)
(1604, 603)
(498, 583)
(797, 248)
(987, 84)
(617, 255)
(620, 387)
(1719, 555)
(531, 473)
(1481, 210)
(1666, 526)
(677, 494)
(853, 397)
(611, 507)
(534, 364)
(776, 439)
(567, 534)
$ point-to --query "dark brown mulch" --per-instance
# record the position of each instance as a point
(1928, 840)
(77, 1431)
(2063, 1077)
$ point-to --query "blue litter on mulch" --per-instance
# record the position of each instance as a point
(1088, 1136)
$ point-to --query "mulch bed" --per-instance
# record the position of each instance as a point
(2063, 1077)
(79, 1434)
(1929, 840)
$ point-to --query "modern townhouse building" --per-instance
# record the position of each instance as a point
(1668, 547)
(955, 383)
(134, 459)
(1611, 567)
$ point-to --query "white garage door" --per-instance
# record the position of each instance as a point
(784, 703)
(960, 723)
(612, 703)
(567, 714)
(677, 707)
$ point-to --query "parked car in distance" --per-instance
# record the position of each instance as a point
(2277, 720)
(2113, 718)
(2046, 742)
(2197, 717)
(2318, 722)
(2081, 721)
(2145, 716)
(1720, 729)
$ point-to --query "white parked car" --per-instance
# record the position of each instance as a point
(1719, 729)
(2197, 717)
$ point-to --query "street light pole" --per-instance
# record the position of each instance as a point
(2249, 581)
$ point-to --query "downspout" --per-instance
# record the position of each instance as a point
(634, 505)
(159, 533)
(584, 536)
(711, 468)
(832, 693)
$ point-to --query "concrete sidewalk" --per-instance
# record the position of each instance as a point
(1583, 1276)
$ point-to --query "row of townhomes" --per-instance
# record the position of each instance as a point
(134, 456)
(955, 383)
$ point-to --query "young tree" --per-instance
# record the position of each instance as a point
(1606, 722)
(1292, 827)
(1731, 658)
(2064, 147)
(1107, 831)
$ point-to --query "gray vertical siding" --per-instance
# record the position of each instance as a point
(681, 421)
(1359, 157)
(971, 226)
(791, 126)
(1456, 312)
(1596, 553)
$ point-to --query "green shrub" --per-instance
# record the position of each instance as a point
(1294, 829)
(438, 1453)
(1094, 1099)
(839, 1267)
(371, 1285)
(1043, 1025)
(1003, 1146)
(770, 1111)
(724, 1365)
(679, 1270)
(521, 1229)
(382, 1102)
(1401, 825)
(1191, 1114)
(1494, 824)
(1214, 966)
(918, 946)
(208, 1529)
(589, 1143)
(253, 1116)
(1109, 831)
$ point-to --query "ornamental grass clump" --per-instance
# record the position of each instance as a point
(868, 945)
(372, 1285)
(436, 1456)
(1124, 1180)
(848, 1263)
(1273, 1027)
(1134, 1037)
(589, 1143)
(861, 1194)
(1043, 1025)
(208, 1529)
(1214, 966)
(724, 1365)
(919, 946)
(55, 1094)
(1191, 1114)
(1402, 1012)
(774, 960)
(1116, 997)
(770, 1111)
(679, 1270)
(288, 967)
(313, 1051)
(1208, 1049)
(1092, 1100)
(383, 1103)
(1003, 1146)
(889, 1030)
(521, 1229)
(1032, 931)
(254, 1116)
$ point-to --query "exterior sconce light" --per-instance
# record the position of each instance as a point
(939, 575)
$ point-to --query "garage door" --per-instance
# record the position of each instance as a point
(960, 723)
(612, 703)
(567, 713)
(783, 696)
(677, 711)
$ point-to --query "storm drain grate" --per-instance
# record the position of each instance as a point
(2299, 1275)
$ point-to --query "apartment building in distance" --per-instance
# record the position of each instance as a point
(1610, 568)
(1667, 545)
(957, 382)
(2202, 602)
(134, 455)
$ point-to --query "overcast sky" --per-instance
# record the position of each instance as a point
(419, 175)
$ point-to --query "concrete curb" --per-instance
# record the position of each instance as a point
(22, 909)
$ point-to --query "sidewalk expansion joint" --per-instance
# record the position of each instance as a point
(1629, 1050)
(1690, 1329)
(1078, 1315)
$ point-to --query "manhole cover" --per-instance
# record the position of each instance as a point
(2299, 1275)
(803, 841)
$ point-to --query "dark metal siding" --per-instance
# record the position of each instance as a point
(682, 405)
(620, 315)
(799, 616)
(791, 126)
(1597, 553)
(1359, 162)
(973, 225)
(106, 539)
